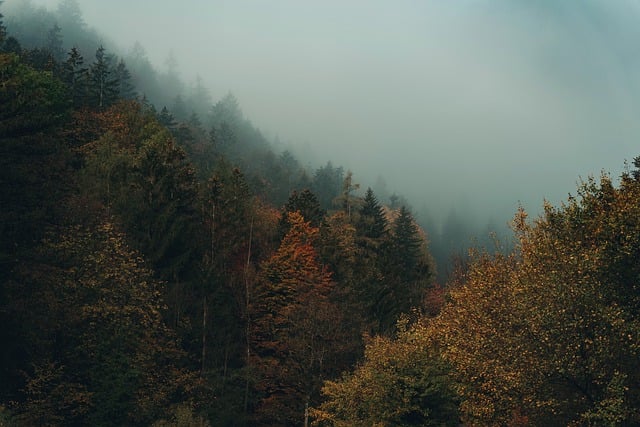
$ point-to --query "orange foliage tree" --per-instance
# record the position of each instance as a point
(294, 324)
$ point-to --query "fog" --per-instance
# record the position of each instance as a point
(474, 105)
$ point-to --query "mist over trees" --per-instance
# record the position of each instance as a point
(162, 264)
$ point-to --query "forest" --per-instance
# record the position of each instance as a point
(161, 264)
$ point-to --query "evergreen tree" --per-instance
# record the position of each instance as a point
(372, 223)
(75, 76)
(54, 43)
(179, 108)
(103, 85)
(227, 110)
(166, 119)
(122, 75)
(306, 203)
(3, 30)
(34, 180)
(406, 270)
(327, 184)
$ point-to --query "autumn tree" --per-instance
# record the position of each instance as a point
(402, 381)
(549, 334)
(294, 326)
(346, 200)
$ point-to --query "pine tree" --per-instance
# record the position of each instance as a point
(122, 75)
(166, 119)
(3, 30)
(306, 203)
(327, 184)
(372, 223)
(103, 85)
(406, 271)
(54, 43)
(75, 76)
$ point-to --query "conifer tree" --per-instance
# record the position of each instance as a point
(406, 271)
(75, 76)
(54, 43)
(3, 30)
(327, 184)
(306, 203)
(122, 75)
(372, 223)
(166, 119)
(103, 85)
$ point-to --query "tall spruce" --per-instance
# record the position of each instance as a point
(103, 84)
(372, 223)
(122, 75)
(75, 75)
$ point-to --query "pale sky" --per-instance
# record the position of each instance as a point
(484, 103)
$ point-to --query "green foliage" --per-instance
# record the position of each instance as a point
(306, 203)
(327, 184)
(406, 271)
(372, 223)
(102, 354)
(183, 416)
(75, 76)
(138, 170)
(103, 83)
(31, 100)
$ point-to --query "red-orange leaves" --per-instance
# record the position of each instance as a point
(292, 326)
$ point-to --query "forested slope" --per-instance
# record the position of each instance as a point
(161, 265)
(155, 270)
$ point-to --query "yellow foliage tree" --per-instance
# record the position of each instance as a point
(550, 334)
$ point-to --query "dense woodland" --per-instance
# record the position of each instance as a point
(161, 265)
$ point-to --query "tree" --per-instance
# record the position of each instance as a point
(549, 334)
(402, 381)
(54, 43)
(3, 29)
(227, 110)
(294, 327)
(345, 199)
(105, 356)
(327, 184)
(306, 204)
(75, 76)
(125, 89)
(103, 85)
(35, 177)
(166, 119)
(31, 100)
(372, 223)
(406, 271)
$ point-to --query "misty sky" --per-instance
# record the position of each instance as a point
(478, 103)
